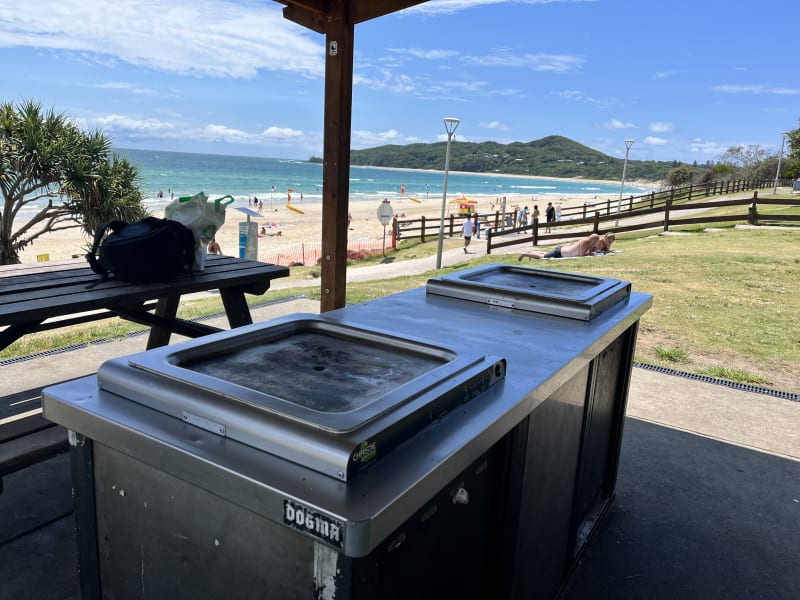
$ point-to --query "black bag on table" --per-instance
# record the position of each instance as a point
(151, 249)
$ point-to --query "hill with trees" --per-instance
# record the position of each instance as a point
(552, 156)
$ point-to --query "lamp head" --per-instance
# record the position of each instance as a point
(450, 124)
(629, 143)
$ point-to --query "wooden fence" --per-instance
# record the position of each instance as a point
(652, 210)
(658, 217)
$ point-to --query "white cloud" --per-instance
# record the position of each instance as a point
(755, 88)
(216, 38)
(367, 139)
(429, 54)
(617, 124)
(129, 87)
(221, 133)
(131, 125)
(438, 7)
(654, 141)
(578, 96)
(134, 128)
(282, 133)
(558, 63)
(785, 91)
(701, 146)
(661, 127)
(494, 125)
(667, 74)
(738, 89)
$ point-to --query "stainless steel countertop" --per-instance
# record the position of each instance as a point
(542, 353)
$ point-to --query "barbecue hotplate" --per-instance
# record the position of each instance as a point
(306, 388)
(555, 293)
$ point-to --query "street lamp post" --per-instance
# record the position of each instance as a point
(450, 124)
(784, 135)
(628, 144)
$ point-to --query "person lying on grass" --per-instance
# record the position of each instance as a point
(587, 246)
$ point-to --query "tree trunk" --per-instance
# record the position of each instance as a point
(7, 254)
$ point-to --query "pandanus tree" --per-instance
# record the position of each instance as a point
(54, 176)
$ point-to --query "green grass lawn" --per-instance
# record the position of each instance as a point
(725, 302)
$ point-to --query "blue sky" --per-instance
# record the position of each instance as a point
(686, 79)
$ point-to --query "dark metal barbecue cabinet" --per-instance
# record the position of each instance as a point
(456, 440)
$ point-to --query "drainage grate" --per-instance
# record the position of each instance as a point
(71, 347)
(745, 387)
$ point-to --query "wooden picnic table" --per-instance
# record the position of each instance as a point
(43, 296)
(49, 295)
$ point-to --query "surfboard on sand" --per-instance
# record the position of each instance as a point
(292, 208)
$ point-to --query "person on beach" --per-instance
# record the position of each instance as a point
(213, 247)
(583, 247)
(467, 231)
(550, 215)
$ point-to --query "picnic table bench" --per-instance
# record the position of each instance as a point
(50, 295)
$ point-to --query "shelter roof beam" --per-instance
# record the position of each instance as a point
(314, 13)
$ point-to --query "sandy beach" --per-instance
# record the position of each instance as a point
(287, 235)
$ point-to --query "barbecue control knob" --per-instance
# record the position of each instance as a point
(461, 496)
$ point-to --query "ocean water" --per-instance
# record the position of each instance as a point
(269, 179)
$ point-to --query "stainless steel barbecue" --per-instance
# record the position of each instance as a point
(537, 290)
(328, 396)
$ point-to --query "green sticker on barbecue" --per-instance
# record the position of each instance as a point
(366, 452)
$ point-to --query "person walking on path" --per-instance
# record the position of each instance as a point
(550, 215)
(467, 232)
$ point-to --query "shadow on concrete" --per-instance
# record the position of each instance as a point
(693, 518)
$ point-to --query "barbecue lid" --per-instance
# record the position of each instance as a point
(570, 295)
(318, 392)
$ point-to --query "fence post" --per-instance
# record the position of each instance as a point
(535, 231)
(608, 206)
(652, 199)
(666, 214)
(752, 211)
(452, 225)
(596, 224)
(489, 240)
(691, 189)
(422, 229)
(395, 231)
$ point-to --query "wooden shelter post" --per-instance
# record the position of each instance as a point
(337, 20)
(339, 37)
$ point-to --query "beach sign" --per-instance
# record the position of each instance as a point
(385, 212)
